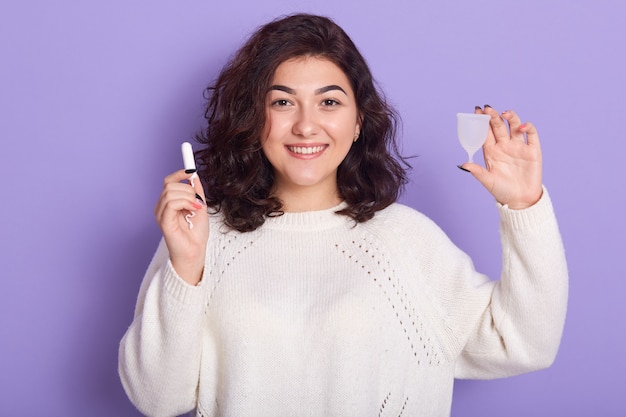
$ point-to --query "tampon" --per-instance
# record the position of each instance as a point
(189, 161)
(190, 168)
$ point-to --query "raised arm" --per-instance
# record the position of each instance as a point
(521, 328)
(160, 354)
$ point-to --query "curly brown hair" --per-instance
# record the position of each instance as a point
(237, 176)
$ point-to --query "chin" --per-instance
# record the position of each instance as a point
(307, 182)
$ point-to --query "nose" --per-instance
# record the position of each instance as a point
(306, 123)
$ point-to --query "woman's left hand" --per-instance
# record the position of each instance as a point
(513, 160)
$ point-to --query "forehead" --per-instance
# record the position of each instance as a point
(310, 71)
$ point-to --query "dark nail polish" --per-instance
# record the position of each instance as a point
(190, 171)
(477, 108)
(200, 198)
(462, 169)
(487, 105)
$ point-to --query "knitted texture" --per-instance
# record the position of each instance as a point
(314, 315)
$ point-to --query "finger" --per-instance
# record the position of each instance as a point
(514, 123)
(192, 179)
(491, 140)
(176, 176)
(499, 128)
(177, 197)
(481, 174)
(532, 137)
(172, 212)
(183, 203)
(199, 189)
(172, 216)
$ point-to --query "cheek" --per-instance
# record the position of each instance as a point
(345, 130)
(267, 127)
(270, 139)
(268, 133)
(274, 127)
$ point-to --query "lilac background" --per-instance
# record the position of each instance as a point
(95, 98)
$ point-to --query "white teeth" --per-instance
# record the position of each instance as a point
(305, 150)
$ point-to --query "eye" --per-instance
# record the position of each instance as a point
(281, 102)
(329, 102)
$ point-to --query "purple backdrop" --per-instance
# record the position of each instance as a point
(96, 97)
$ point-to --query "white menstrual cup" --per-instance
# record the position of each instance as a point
(472, 130)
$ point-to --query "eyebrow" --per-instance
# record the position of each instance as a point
(320, 90)
(330, 88)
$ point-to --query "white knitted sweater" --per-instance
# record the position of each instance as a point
(310, 315)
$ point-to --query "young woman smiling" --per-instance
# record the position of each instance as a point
(303, 287)
(312, 122)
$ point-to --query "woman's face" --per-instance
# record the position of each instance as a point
(311, 122)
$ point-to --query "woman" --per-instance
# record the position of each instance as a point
(307, 290)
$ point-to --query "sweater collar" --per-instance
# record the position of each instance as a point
(309, 220)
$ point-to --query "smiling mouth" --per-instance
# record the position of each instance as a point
(306, 150)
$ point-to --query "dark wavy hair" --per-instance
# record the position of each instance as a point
(237, 176)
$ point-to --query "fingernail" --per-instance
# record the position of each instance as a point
(487, 105)
(190, 171)
(462, 169)
(477, 108)
(199, 198)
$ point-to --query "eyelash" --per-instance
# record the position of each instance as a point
(280, 102)
(327, 102)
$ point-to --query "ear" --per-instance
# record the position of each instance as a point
(357, 130)
(359, 122)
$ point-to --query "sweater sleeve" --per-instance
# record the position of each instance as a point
(159, 356)
(520, 329)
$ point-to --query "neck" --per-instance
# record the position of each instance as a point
(308, 199)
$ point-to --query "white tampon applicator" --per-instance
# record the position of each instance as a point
(189, 161)
(190, 168)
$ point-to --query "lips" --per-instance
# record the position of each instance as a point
(306, 150)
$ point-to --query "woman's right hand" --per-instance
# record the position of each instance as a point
(187, 246)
